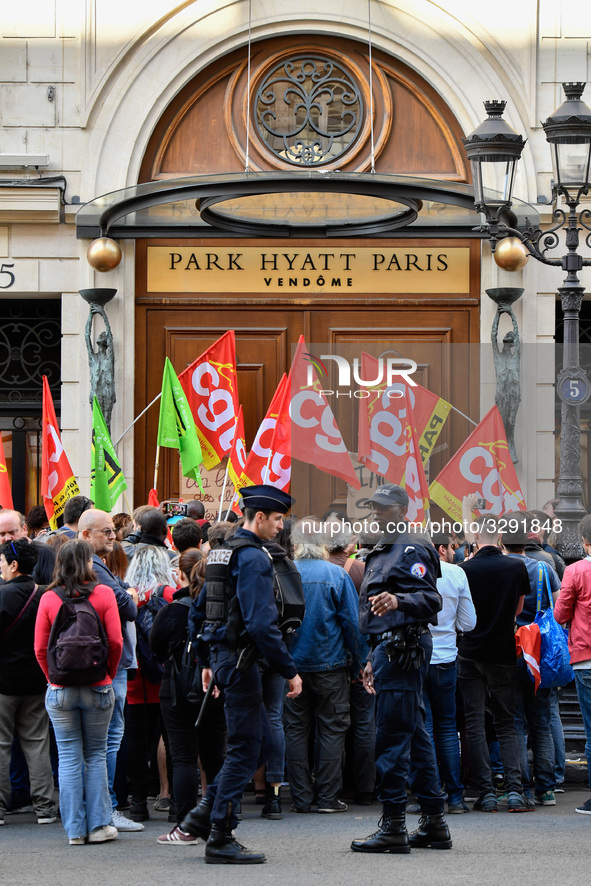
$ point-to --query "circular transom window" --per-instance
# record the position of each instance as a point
(308, 110)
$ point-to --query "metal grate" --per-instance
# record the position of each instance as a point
(30, 347)
(308, 110)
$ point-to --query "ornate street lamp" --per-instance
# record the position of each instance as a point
(493, 150)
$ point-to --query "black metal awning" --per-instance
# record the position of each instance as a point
(282, 204)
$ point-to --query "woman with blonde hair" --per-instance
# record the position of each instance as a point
(150, 573)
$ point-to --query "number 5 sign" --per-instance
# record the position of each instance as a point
(573, 386)
(7, 278)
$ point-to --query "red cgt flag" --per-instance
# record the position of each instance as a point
(237, 458)
(237, 461)
(383, 422)
(315, 436)
(482, 465)
(261, 453)
(281, 440)
(211, 387)
(5, 490)
(58, 483)
(415, 481)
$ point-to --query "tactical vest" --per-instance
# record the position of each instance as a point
(221, 601)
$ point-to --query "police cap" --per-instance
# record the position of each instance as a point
(266, 498)
(388, 495)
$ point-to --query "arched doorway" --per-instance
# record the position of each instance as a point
(307, 105)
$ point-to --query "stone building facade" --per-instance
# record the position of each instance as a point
(98, 95)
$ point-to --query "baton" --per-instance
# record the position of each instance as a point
(210, 689)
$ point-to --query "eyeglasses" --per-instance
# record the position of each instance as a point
(108, 531)
(14, 550)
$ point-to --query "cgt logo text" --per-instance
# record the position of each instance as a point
(389, 370)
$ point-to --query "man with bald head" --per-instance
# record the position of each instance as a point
(96, 527)
(13, 526)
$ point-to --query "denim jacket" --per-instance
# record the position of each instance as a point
(329, 636)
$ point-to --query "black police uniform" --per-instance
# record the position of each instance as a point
(251, 573)
(407, 565)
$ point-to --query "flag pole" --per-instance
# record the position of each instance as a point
(137, 418)
(156, 463)
(467, 417)
(223, 491)
(126, 502)
(231, 505)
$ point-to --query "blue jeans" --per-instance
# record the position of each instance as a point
(583, 684)
(116, 729)
(439, 698)
(532, 709)
(80, 717)
(274, 690)
(557, 737)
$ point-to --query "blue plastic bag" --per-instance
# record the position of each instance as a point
(555, 666)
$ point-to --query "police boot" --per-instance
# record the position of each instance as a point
(223, 848)
(272, 807)
(391, 837)
(432, 833)
(196, 822)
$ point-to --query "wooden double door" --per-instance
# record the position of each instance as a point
(438, 334)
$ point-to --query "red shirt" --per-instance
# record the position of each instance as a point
(139, 689)
(103, 600)
(574, 605)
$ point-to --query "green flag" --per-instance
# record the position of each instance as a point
(176, 426)
(106, 477)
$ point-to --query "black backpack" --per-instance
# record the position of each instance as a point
(185, 673)
(289, 594)
(149, 664)
(77, 649)
(222, 603)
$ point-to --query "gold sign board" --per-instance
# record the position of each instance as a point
(331, 269)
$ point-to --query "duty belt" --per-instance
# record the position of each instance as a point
(376, 639)
(404, 648)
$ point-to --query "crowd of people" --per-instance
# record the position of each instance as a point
(143, 656)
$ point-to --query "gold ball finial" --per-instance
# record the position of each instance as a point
(103, 254)
(511, 254)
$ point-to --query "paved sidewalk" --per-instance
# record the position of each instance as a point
(549, 847)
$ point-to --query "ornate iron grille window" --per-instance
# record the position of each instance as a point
(30, 347)
(308, 110)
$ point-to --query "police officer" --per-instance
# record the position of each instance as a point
(398, 600)
(250, 577)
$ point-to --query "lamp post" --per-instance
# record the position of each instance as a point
(494, 149)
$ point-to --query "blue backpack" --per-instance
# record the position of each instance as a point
(149, 664)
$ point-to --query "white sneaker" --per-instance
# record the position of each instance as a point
(77, 841)
(125, 824)
(101, 835)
